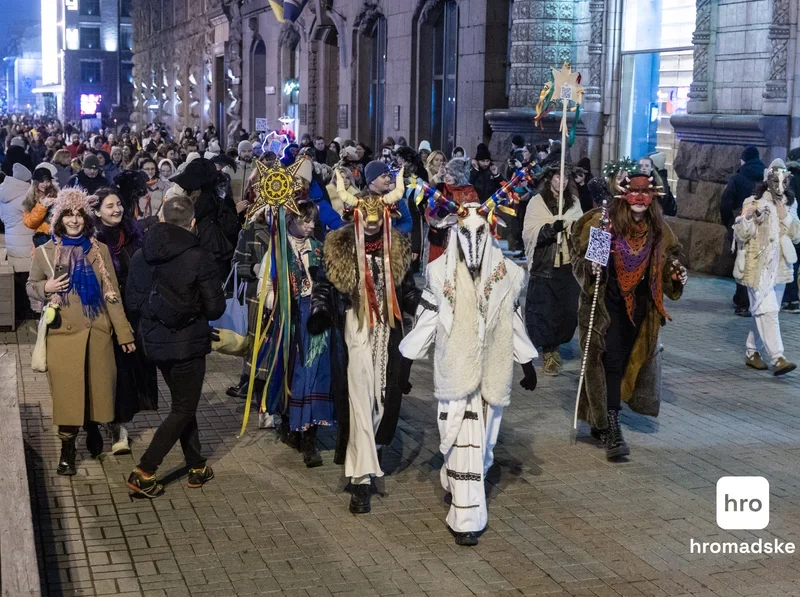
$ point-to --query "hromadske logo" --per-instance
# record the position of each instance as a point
(742, 503)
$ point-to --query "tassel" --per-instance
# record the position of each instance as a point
(361, 258)
(392, 306)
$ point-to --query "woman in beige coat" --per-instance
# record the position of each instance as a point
(74, 273)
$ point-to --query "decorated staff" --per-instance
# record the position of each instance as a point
(564, 86)
(626, 309)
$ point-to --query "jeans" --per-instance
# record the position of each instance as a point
(185, 382)
(740, 297)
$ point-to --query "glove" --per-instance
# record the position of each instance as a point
(558, 226)
(214, 333)
(405, 373)
(529, 381)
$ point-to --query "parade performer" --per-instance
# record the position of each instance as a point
(766, 232)
(457, 188)
(308, 377)
(551, 304)
(366, 287)
(470, 310)
(623, 363)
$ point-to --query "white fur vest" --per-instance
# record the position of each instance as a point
(462, 364)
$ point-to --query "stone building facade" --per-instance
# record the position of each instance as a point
(695, 80)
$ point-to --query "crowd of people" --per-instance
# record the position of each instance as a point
(127, 245)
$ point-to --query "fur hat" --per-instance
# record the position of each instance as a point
(73, 200)
(459, 168)
(483, 152)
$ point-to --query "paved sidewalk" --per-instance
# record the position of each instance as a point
(562, 521)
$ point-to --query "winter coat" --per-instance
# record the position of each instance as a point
(80, 351)
(641, 384)
(63, 174)
(239, 180)
(335, 292)
(175, 257)
(540, 237)
(90, 185)
(111, 170)
(217, 229)
(485, 183)
(667, 200)
(739, 188)
(18, 236)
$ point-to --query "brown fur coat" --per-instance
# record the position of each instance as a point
(641, 385)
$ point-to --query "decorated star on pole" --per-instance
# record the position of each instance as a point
(276, 187)
(567, 85)
(563, 87)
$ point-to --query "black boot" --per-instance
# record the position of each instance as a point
(359, 502)
(311, 455)
(615, 443)
(94, 439)
(66, 463)
(240, 390)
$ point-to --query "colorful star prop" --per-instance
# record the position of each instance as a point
(276, 187)
(562, 88)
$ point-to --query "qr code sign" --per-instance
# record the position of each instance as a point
(599, 248)
(566, 92)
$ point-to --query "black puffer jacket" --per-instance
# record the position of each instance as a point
(90, 185)
(174, 256)
(739, 188)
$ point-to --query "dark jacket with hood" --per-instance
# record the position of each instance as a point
(91, 185)
(739, 188)
(485, 183)
(173, 256)
(793, 164)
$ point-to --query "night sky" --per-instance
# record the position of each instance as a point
(17, 15)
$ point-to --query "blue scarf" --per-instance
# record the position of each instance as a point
(82, 278)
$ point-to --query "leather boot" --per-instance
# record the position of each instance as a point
(94, 439)
(66, 463)
(360, 500)
(615, 443)
(311, 455)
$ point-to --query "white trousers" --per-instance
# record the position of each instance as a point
(468, 437)
(366, 377)
(765, 329)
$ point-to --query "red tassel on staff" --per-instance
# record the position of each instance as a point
(393, 307)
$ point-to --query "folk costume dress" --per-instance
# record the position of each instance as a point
(624, 363)
(309, 376)
(477, 326)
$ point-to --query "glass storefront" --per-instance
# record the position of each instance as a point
(657, 63)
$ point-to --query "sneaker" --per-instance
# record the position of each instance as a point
(144, 485)
(268, 421)
(782, 367)
(793, 307)
(119, 437)
(200, 476)
(756, 362)
(238, 391)
(551, 366)
(742, 311)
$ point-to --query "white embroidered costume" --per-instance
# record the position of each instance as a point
(477, 326)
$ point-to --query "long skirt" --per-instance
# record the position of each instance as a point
(311, 402)
(551, 308)
(468, 432)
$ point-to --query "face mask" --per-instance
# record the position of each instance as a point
(473, 234)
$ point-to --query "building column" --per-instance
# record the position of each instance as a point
(701, 89)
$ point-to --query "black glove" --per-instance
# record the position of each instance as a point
(318, 323)
(214, 332)
(405, 373)
(529, 381)
(558, 226)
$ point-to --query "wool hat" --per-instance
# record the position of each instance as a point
(750, 153)
(458, 168)
(375, 169)
(18, 142)
(73, 200)
(44, 171)
(518, 140)
(483, 152)
(20, 172)
(91, 161)
(244, 146)
(424, 145)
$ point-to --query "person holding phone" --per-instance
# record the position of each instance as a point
(74, 273)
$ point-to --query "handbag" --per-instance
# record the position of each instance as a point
(232, 326)
(39, 355)
(788, 250)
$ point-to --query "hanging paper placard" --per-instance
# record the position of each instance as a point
(599, 248)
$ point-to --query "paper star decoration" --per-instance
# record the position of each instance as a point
(276, 187)
(566, 84)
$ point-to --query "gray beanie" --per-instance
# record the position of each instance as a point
(20, 172)
(244, 146)
(458, 168)
(18, 141)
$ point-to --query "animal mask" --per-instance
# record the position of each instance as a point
(372, 206)
(777, 180)
(639, 190)
(473, 234)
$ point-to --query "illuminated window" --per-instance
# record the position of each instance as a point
(90, 8)
(73, 38)
(443, 84)
(90, 71)
(126, 39)
(90, 38)
(377, 79)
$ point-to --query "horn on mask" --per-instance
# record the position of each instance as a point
(399, 190)
(344, 195)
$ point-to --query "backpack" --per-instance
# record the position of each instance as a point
(168, 308)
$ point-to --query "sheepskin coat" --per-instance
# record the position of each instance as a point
(641, 385)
